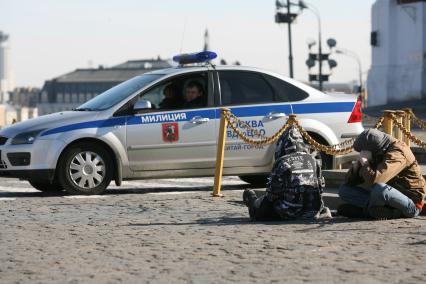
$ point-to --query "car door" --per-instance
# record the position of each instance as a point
(251, 98)
(179, 138)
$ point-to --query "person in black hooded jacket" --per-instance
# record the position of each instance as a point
(294, 186)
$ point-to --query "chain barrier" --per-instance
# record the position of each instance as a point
(331, 150)
(379, 122)
(234, 121)
(407, 133)
(420, 123)
(342, 148)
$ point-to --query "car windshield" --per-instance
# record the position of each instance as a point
(118, 93)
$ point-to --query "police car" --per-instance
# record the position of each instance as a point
(164, 124)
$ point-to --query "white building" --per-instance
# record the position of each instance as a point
(6, 82)
(398, 39)
(8, 115)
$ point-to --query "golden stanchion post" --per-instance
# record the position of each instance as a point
(220, 154)
(407, 124)
(388, 122)
(399, 116)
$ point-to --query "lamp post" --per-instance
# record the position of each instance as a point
(290, 48)
(314, 10)
(288, 18)
(357, 59)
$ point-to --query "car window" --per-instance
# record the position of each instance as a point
(181, 92)
(118, 93)
(284, 91)
(241, 87)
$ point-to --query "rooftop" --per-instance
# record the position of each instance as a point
(118, 73)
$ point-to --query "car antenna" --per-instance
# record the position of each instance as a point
(183, 34)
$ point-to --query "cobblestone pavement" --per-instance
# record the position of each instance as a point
(172, 231)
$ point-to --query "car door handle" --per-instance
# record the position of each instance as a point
(199, 120)
(275, 115)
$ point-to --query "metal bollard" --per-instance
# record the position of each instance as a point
(388, 122)
(220, 154)
(400, 114)
(407, 124)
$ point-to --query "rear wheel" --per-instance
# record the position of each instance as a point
(257, 180)
(85, 169)
(46, 187)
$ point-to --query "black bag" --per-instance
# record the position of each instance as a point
(296, 184)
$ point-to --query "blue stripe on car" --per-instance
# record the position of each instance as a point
(90, 124)
(244, 111)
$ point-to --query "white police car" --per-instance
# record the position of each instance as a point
(164, 124)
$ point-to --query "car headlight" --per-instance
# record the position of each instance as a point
(26, 137)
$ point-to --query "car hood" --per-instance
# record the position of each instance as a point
(48, 121)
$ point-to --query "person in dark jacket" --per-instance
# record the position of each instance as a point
(385, 183)
(295, 185)
(194, 95)
(171, 100)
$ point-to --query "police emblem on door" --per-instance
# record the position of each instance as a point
(170, 132)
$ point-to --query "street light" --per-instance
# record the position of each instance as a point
(358, 60)
(314, 10)
(287, 17)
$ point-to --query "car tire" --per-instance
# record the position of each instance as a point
(85, 169)
(256, 180)
(46, 187)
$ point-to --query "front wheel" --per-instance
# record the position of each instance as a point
(85, 169)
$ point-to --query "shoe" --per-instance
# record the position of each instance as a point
(351, 211)
(249, 197)
(384, 213)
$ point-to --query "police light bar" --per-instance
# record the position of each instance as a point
(199, 57)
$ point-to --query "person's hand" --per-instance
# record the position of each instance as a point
(364, 157)
(363, 161)
(366, 154)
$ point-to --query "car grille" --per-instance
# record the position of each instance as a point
(3, 140)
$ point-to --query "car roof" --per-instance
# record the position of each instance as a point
(195, 68)
(185, 69)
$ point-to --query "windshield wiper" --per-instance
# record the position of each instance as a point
(83, 109)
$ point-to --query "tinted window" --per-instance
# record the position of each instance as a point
(182, 92)
(118, 93)
(286, 92)
(239, 87)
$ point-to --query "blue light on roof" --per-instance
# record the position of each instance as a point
(199, 57)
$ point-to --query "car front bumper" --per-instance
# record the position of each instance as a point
(43, 155)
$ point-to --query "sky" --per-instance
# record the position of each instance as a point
(49, 38)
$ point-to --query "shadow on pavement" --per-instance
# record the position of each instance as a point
(132, 190)
(204, 221)
(418, 243)
(331, 201)
(225, 221)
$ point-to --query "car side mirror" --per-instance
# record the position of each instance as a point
(141, 105)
